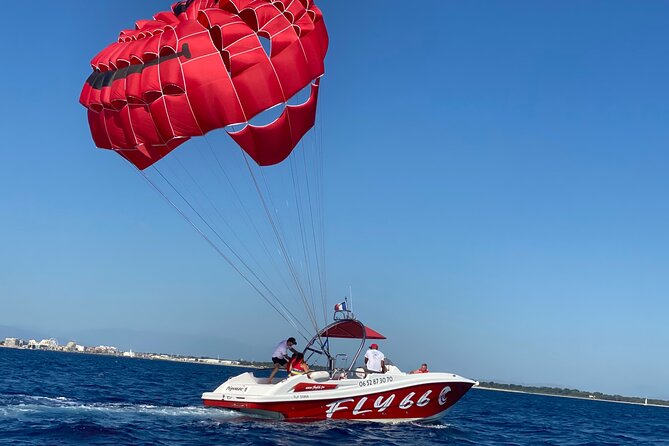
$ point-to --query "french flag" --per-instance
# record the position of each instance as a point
(341, 306)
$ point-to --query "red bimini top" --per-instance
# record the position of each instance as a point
(350, 329)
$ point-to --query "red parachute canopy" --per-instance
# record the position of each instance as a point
(201, 66)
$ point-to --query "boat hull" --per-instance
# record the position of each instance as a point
(366, 400)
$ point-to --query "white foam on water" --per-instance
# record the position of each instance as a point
(34, 404)
(431, 426)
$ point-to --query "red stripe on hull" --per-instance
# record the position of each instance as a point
(311, 387)
(415, 402)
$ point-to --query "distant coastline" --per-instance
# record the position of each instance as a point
(72, 347)
(572, 393)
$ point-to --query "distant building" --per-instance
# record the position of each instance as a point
(229, 362)
(33, 344)
(12, 342)
(129, 354)
(70, 346)
(105, 349)
(48, 344)
(80, 348)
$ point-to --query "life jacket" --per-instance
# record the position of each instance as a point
(296, 368)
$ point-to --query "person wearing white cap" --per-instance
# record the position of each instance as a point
(375, 361)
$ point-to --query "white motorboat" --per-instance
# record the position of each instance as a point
(347, 393)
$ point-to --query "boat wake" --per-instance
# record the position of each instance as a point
(18, 405)
(432, 425)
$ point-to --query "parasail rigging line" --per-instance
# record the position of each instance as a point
(229, 226)
(307, 203)
(223, 219)
(313, 225)
(305, 249)
(284, 312)
(284, 251)
(300, 205)
(245, 211)
(216, 233)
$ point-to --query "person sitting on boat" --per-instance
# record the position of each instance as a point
(280, 355)
(297, 366)
(422, 369)
(375, 360)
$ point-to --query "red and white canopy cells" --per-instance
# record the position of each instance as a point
(201, 66)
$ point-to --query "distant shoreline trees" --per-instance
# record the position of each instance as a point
(573, 393)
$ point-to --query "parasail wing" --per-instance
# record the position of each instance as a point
(202, 66)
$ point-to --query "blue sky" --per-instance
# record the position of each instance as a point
(495, 194)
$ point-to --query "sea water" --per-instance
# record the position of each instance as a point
(52, 398)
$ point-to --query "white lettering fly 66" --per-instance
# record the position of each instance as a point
(443, 397)
(379, 404)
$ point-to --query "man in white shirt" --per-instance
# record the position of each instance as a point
(280, 355)
(375, 360)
